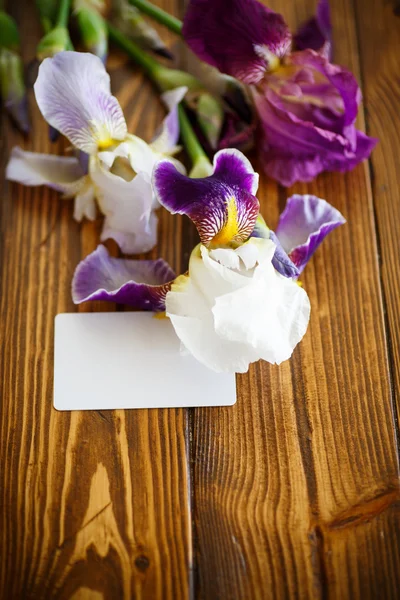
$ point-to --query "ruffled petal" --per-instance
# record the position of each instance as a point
(230, 313)
(73, 94)
(142, 284)
(194, 325)
(167, 137)
(189, 310)
(242, 38)
(304, 224)
(128, 206)
(31, 168)
(295, 148)
(275, 332)
(223, 206)
(316, 33)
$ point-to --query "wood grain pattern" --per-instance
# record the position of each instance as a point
(293, 492)
(289, 472)
(93, 505)
(379, 39)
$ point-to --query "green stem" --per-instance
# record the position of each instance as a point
(63, 13)
(159, 15)
(150, 66)
(189, 138)
(164, 77)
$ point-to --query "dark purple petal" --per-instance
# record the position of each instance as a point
(139, 283)
(316, 34)
(242, 38)
(223, 206)
(304, 224)
(237, 133)
(234, 169)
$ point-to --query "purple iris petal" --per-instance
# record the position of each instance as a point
(233, 168)
(304, 224)
(316, 33)
(311, 130)
(340, 79)
(139, 283)
(223, 206)
(240, 37)
(280, 261)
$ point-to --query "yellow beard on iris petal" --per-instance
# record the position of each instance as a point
(231, 226)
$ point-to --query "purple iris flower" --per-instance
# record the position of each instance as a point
(222, 206)
(224, 209)
(306, 106)
(239, 301)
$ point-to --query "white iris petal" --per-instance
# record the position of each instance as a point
(234, 308)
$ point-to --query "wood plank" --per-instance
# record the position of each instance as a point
(378, 26)
(92, 505)
(310, 445)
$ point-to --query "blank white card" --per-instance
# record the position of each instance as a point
(129, 360)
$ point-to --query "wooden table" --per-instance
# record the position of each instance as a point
(293, 492)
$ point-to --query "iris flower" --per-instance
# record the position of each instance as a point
(112, 166)
(233, 307)
(306, 106)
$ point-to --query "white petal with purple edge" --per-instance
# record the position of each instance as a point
(73, 94)
(304, 224)
(167, 137)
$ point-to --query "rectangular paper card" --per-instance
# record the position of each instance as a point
(129, 360)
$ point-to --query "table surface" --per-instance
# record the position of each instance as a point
(293, 492)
